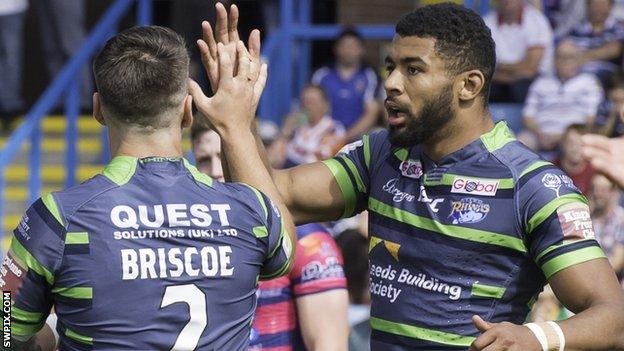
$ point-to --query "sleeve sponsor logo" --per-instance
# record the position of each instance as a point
(411, 169)
(575, 221)
(12, 274)
(474, 186)
(469, 210)
(23, 228)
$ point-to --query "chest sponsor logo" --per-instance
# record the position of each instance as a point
(397, 194)
(474, 186)
(575, 221)
(469, 210)
(411, 169)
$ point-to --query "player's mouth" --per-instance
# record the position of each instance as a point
(397, 116)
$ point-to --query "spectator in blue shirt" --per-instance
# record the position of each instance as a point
(350, 85)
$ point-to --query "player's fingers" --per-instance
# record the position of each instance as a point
(199, 98)
(244, 61)
(233, 23)
(209, 38)
(254, 44)
(222, 24)
(595, 141)
(260, 83)
(481, 324)
(483, 341)
(226, 67)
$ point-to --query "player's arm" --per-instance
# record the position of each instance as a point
(44, 340)
(327, 328)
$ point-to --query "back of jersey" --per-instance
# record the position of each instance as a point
(151, 255)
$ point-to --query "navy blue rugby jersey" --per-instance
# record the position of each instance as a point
(478, 233)
(149, 255)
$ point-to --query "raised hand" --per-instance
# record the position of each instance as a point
(606, 156)
(226, 33)
(503, 336)
(232, 108)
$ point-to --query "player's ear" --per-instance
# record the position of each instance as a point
(187, 117)
(471, 85)
(97, 109)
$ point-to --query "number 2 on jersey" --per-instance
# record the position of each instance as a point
(196, 301)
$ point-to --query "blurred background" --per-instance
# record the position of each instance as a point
(558, 76)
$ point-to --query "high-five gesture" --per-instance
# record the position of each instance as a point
(226, 33)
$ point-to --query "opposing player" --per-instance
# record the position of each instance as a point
(466, 224)
(151, 254)
(289, 316)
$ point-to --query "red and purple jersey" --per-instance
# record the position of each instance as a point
(317, 268)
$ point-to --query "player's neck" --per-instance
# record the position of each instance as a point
(164, 143)
(459, 133)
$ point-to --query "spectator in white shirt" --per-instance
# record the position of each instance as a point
(311, 134)
(524, 48)
(557, 101)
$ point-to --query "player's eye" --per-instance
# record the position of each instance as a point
(389, 68)
(412, 70)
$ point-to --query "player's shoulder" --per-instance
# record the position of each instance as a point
(70, 200)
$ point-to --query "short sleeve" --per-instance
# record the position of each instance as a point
(350, 168)
(538, 31)
(556, 219)
(273, 232)
(28, 270)
(318, 264)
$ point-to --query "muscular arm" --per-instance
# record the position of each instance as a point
(326, 328)
(591, 290)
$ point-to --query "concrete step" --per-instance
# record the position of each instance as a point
(20, 193)
(55, 144)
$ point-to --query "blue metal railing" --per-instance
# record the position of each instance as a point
(66, 82)
(288, 52)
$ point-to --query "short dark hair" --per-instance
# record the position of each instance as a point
(349, 32)
(462, 39)
(141, 75)
(200, 126)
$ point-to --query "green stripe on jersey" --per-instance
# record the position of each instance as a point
(25, 316)
(548, 209)
(411, 331)
(30, 261)
(50, 203)
(355, 172)
(77, 238)
(444, 229)
(570, 259)
(260, 231)
(197, 175)
(490, 291)
(497, 137)
(449, 178)
(80, 338)
(366, 146)
(25, 329)
(554, 247)
(345, 184)
(401, 154)
(78, 292)
(260, 199)
(120, 169)
(534, 166)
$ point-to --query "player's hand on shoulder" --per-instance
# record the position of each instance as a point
(503, 336)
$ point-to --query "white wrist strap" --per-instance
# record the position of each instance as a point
(559, 332)
(539, 334)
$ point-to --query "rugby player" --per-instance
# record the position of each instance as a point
(151, 254)
(466, 224)
(289, 317)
